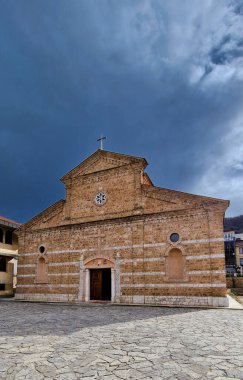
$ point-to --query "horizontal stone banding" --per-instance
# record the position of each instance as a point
(49, 274)
(174, 285)
(143, 274)
(206, 272)
(123, 247)
(199, 257)
(49, 285)
(196, 272)
(51, 264)
(75, 263)
(141, 259)
(45, 297)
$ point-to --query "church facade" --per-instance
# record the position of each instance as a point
(116, 237)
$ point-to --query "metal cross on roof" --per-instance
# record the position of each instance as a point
(101, 141)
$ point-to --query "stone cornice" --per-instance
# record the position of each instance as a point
(150, 217)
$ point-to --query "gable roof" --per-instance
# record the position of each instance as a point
(182, 197)
(48, 212)
(90, 162)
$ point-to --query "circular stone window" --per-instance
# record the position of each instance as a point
(100, 198)
(174, 238)
(42, 249)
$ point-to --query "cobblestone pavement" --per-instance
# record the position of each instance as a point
(51, 341)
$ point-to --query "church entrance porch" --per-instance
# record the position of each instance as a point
(100, 284)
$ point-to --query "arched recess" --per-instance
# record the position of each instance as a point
(1, 235)
(9, 237)
(99, 262)
(175, 265)
(41, 270)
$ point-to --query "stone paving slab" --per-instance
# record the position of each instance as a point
(65, 342)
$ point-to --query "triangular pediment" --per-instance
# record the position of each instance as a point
(103, 160)
(100, 164)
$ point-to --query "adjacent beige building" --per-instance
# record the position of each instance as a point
(239, 249)
(8, 256)
(116, 237)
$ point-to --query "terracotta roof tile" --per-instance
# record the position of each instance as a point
(8, 220)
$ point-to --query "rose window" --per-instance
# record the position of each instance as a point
(100, 198)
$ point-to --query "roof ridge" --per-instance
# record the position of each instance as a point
(122, 154)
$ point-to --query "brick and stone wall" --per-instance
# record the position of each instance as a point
(131, 232)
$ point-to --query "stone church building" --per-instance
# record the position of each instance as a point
(117, 237)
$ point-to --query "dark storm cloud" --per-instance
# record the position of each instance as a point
(224, 53)
(237, 7)
(159, 79)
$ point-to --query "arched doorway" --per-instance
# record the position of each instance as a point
(100, 280)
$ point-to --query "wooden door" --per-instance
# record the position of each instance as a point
(95, 284)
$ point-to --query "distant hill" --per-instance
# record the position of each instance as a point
(235, 223)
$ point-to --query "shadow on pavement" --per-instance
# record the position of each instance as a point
(24, 318)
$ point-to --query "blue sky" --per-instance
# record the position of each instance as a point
(161, 79)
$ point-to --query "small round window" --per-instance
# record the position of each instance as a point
(42, 249)
(174, 238)
(100, 198)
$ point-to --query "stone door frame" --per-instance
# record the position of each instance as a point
(97, 262)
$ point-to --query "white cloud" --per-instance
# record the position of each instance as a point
(193, 37)
(224, 176)
(220, 74)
